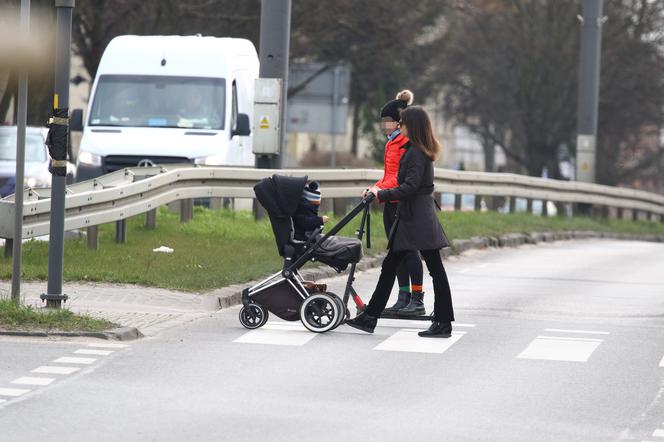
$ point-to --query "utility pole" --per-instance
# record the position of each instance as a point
(589, 70)
(22, 109)
(273, 56)
(54, 296)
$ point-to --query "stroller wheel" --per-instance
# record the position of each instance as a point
(255, 320)
(320, 313)
(342, 309)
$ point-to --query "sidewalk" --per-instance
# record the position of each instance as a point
(149, 309)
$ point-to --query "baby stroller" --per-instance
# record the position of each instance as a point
(285, 293)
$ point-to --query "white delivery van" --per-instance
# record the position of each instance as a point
(168, 99)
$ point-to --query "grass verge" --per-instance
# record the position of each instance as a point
(218, 248)
(20, 317)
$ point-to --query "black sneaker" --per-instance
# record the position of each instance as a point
(437, 330)
(402, 301)
(415, 307)
(363, 322)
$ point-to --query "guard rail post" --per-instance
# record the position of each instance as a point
(186, 210)
(121, 231)
(457, 202)
(151, 219)
(93, 237)
(512, 204)
(9, 245)
(478, 203)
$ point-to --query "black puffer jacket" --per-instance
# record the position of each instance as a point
(417, 226)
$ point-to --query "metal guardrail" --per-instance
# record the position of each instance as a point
(141, 190)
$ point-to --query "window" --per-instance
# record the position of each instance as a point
(159, 101)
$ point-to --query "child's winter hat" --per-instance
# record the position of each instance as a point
(393, 108)
(311, 192)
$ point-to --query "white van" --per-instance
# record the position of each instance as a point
(169, 99)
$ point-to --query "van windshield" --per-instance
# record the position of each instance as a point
(159, 101)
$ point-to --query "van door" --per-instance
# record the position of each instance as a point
(242, 102)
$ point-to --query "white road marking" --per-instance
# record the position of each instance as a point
(408, 341)
(94, 352)
(13, 391)
(70, 360)
(560, 349)
(658, 433)
(661, 363)
(464, 270)
(588, 332)
(46, 369)
(483, 266)
(108, 345)
(403, 323)
(2, 400)
(32, 381)
(278, 334)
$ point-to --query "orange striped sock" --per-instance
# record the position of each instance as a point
(416, 288)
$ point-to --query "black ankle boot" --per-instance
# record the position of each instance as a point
(363, 322)
(415, 307)
(437, 330)
(402, 301)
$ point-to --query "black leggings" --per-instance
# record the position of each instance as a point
(409, 271)
(442, 306)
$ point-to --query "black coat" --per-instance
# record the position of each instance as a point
(417, 226)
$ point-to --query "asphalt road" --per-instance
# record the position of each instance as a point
(557, 342)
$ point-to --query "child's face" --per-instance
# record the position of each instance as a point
(388, 125)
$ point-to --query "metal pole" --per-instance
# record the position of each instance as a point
(335, 100)
(54, 296)
(273, 56)
(22, 110)
(589, 70)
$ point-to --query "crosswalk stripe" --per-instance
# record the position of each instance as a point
(407, 340)
(658, 433)
(278, 334)
(588, 332)
(46, 369)
(108, 345)
(72, 360)
(560, 349)
(13, 391)
(94, 352)
(32, 381)
(661, 363)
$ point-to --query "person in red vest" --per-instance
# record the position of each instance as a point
(409, 273)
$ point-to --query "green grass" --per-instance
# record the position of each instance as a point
(20, 317)
(219, 248)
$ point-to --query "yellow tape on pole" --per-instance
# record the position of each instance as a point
(55, 101)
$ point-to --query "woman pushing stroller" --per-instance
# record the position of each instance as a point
(409, 272)
(416, 227)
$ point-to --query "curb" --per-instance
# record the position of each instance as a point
(230, 296)
(115, 334)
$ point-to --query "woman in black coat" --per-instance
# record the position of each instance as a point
(416, 227)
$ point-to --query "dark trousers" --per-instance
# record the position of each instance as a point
(409, 270)
(442, 306)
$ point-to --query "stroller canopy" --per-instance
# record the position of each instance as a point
(280, 195)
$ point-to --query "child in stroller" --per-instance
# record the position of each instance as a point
(284, 293)
(306, 219)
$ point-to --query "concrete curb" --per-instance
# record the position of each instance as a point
(232, 295)
(115, 334)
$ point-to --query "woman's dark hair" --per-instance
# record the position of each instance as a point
(420, 131)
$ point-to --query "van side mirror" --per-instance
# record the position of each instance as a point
(242, 126)
(76, 120)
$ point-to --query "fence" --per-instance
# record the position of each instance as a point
(141, 190)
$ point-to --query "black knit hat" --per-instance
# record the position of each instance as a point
(394, 107)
